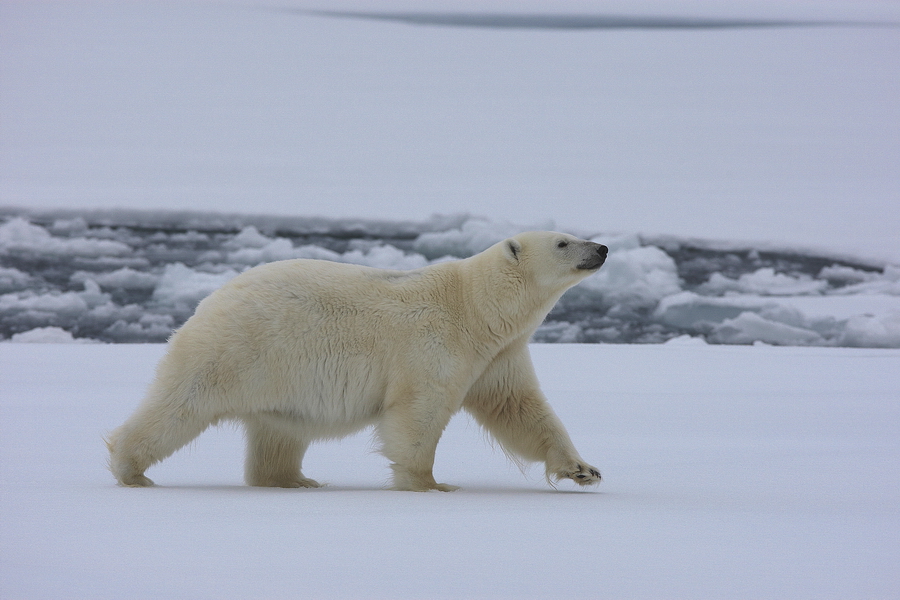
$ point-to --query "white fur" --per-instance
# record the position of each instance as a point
(302, 350)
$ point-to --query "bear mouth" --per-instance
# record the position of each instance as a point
(591, 264)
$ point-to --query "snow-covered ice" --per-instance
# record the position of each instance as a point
(729, 471)
(744, 176)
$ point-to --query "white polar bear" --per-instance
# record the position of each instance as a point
(302, 350)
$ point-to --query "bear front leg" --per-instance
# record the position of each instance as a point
(526, 427)
(409, 430)
(508, 403)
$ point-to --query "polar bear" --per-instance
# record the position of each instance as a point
(302, 350)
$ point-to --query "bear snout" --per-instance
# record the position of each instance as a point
(596, 258)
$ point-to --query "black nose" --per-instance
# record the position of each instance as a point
(592, 263)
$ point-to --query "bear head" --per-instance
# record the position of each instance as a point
(553, 261)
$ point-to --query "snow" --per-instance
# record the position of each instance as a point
(20, 235)
(766, 282)
(183, 287)
(865, 320)
(729, 471)
(48, 335)
(124, 278)
(745, 179)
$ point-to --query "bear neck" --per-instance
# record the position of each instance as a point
(502, 301)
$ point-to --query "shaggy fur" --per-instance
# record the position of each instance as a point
(303, 350)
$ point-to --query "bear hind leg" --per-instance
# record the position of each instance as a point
(152, 434)
(275, 452)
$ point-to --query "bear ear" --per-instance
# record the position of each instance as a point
(513, 248)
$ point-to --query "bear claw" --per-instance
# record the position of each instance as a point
(583, 475)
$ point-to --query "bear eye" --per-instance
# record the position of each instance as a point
(562, 244)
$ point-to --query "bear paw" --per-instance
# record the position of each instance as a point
(427, 487)
(445, 487)
(289, 482)
(136, 481)
(406, 481)
(582, 474)
(301, 482)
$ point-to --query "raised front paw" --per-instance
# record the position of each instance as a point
(580, 473)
